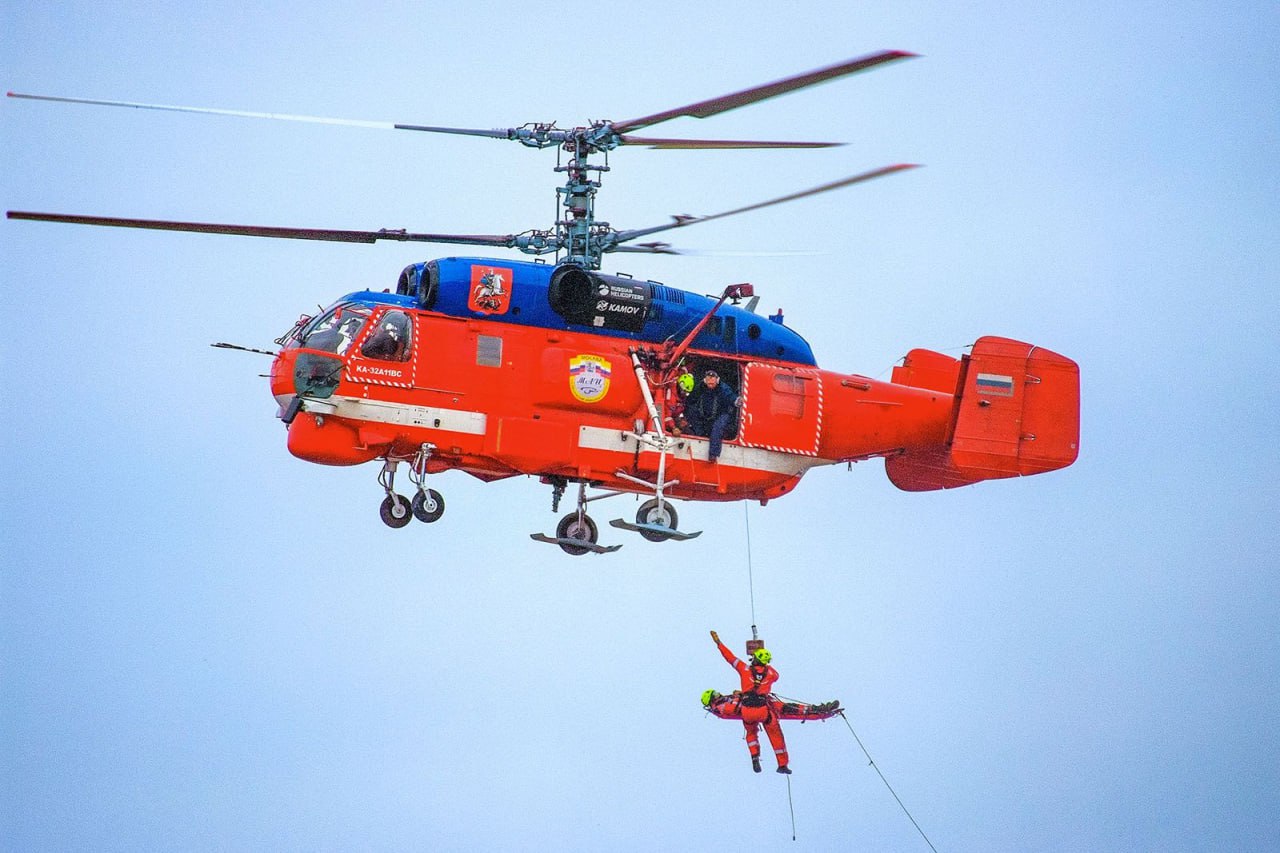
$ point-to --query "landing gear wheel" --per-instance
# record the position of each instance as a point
(395, 511)
(664, 516)
(571, 528)
(428, 506)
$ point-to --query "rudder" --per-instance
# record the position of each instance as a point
(1017, 413)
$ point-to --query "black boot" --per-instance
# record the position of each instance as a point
(755, 763)
(785, 769)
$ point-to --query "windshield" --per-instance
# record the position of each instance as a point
(335, 330)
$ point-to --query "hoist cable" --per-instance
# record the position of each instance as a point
(872, 762)
(751, 585)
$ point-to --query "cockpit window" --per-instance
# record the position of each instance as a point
(336, 330)
(391, 340)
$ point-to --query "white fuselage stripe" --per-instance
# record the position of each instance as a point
(688, 447)
(379, 411)
(589, 438)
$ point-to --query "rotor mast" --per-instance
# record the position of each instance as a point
(577, 232)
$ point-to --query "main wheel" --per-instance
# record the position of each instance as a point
(428, 506)
(664, 516)
(395, 511)
(571, 528)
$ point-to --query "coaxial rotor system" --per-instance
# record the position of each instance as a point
(577, 237)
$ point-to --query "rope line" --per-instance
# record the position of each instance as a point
(792, 806)
(872, 762)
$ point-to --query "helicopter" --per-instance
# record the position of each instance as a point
(502, 368)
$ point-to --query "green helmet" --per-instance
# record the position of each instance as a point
(685, 382)
(762, 656)
(708, 696)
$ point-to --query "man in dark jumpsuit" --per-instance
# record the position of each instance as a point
(709, 409)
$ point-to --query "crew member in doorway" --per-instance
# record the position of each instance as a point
(675, 421)
(709, 409)
(757, 705)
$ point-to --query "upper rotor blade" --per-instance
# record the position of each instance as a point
(378, 125)
(682, 221)
(331, 235)
(720, 143)
(711, 107)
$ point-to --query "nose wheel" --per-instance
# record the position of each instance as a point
(427, 504)
(395, 510)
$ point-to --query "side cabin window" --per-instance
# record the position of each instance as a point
(714, 327)
(335, 330)
(392, 340)
(787, 397)
(488, 351)
(723, 330)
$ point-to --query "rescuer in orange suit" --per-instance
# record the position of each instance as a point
(675, 420)
(758, 706)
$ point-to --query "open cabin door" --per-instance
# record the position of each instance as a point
(781, 408)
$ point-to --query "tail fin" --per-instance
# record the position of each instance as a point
(1017, 412)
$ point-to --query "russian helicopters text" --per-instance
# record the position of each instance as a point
(503, 367)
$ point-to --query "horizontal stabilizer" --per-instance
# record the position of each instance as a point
(922, 368)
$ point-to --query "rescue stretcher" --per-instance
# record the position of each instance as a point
(729, 706)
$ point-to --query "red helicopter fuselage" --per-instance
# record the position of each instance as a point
(505, 368)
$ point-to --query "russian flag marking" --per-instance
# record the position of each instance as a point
(995, 384)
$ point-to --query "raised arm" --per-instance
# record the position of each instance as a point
(724, 651)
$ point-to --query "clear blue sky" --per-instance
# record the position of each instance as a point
(206, 644)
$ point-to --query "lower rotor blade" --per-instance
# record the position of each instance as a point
(720, 143)
(682, 221)
(331, 235)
